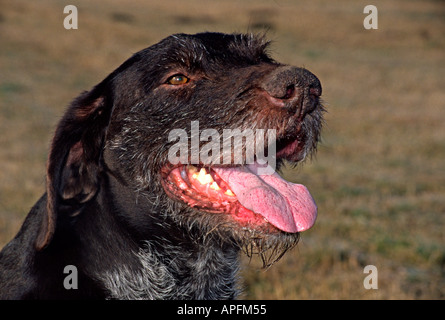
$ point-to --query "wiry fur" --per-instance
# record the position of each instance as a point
(106, 210)
(157, 281)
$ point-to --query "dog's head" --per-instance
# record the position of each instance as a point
(197, 125)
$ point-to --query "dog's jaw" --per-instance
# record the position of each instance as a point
(262, 202)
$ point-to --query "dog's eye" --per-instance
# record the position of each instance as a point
(178, 79)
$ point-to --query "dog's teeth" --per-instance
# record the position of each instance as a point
(215, 186)
(203, 177)
(192, 168)
(206, 179)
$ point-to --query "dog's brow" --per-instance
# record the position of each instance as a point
(187, 53)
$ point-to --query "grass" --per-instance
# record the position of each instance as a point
(379, 175)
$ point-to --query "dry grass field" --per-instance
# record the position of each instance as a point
(379, 175)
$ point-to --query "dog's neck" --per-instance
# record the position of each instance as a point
(175, 275)
(159, 266)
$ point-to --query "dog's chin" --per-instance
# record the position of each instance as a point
(254, 237)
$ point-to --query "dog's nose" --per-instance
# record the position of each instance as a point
(294, 88)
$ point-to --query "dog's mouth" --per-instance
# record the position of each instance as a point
(253, 199)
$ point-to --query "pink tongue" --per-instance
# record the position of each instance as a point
(288, 206)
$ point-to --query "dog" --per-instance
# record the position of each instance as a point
(131, 212)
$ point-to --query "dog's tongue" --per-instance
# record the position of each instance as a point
(288, 206)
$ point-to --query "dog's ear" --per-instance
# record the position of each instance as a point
(74, 162)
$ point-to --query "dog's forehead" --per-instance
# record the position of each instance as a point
(222, 42)
(212, 46)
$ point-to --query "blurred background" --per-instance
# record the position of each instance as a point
(378, 177)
